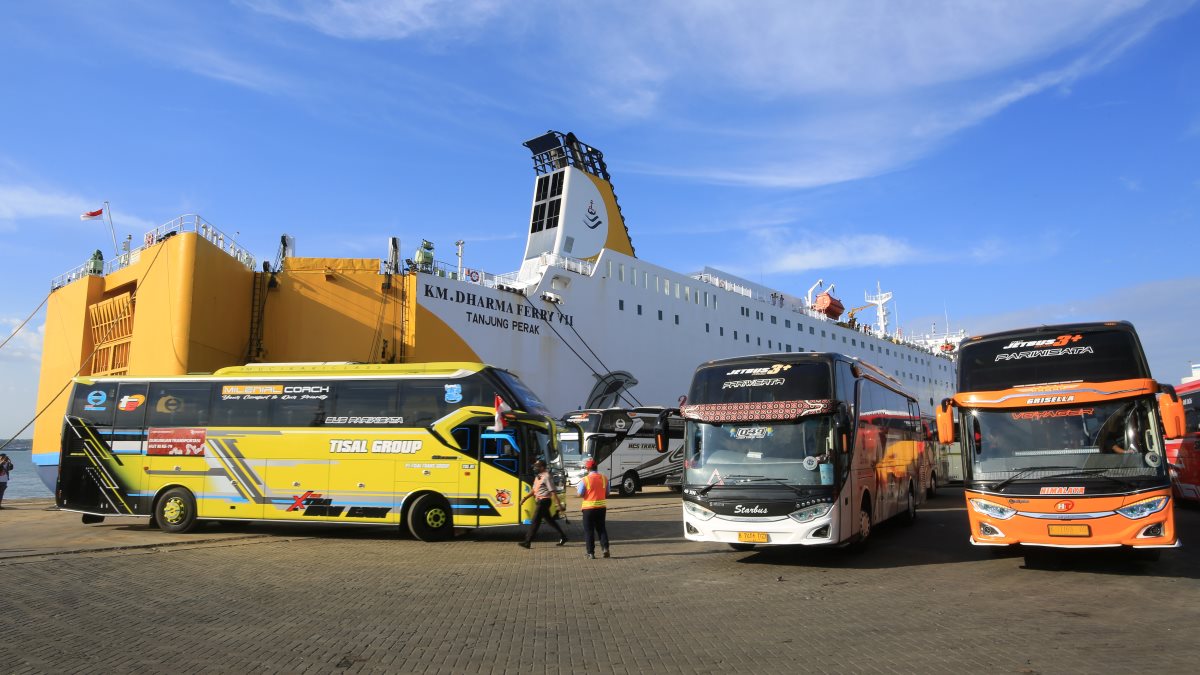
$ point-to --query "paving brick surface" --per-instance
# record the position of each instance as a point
(298, 599)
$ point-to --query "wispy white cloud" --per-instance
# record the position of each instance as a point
(25, 345)
(20, 202)
(804, 251)
(1130, 184)
(384, 19)
(1164, 313)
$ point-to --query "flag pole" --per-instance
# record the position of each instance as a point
(108, 212)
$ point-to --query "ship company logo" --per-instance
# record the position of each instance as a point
(130, 403)
(592, 219)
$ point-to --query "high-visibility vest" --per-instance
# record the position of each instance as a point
(595, 491)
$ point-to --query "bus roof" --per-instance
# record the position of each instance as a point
(1052, 329)
(319, 370)
(799, 357)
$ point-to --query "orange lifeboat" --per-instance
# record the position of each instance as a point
(828, 305)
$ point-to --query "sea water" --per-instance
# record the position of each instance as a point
(23, 482)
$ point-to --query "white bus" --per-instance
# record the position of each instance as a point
(623, 443)
(797, 448)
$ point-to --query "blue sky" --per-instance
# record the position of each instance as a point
(1003, 164)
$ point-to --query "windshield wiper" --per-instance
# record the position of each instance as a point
(1093, 473)
(1030, 469)
(704, 490)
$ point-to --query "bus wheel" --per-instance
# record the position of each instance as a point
(932, 491)
(176, 511)
(629, 484)
(910, 509)
(430, 519)
(864, 526)
(742, 547)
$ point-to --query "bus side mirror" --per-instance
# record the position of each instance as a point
(662, 428)
(945, 422)
(1171, 410)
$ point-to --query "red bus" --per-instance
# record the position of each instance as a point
(1183, 454)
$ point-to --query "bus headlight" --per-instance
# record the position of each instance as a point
(1143, 508)
(810, 513)
(697, 511)
(992, 509)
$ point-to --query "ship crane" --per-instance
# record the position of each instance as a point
(850, 315)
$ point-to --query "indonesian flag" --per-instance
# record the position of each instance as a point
(92, 215)
(501, 408)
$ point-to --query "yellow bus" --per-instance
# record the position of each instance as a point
(422, 446)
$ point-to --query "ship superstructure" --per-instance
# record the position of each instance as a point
(583, 321)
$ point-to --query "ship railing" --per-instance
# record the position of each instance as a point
(724, 284)
(509, 280)
(185, 223)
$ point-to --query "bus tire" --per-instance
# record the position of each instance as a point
(931, 492)
(430, 519)
(629, 484)
(175, 511)
(864, 525)
(742, 547)
(910, 509)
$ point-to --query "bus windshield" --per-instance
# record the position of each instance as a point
(1084, 356)
(1114, 439)
(795, 453)
(528, 401)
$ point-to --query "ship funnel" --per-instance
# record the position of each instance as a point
(575, 212)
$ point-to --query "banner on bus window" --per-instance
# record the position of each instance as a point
(182, 441)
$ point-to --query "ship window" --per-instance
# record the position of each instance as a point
(768, 343)
(639, 310)
(853, 342)
(714, 302)
(789, 348)
(687, 293)
(707, 329)
(787, 323)
(621, 305)
(676, 291)
(759, 342)
(843, 339)
(721, 331)
(813, 331)
(871, 347)
(747, 338)
(621, 272)
(660, 315)
(676, 319)
(539, 218)
(556, 185)
(735, 335)
(552, 213)
(822, 333)
(773, 321)
(543, 185)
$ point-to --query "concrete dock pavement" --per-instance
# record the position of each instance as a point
(119, 597)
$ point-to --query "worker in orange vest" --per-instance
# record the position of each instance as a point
(593, 488)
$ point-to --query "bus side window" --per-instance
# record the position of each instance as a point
(305, 408)
(131, 405)
(368, 399)
(178, 404)
(239, 410)
(95, 403)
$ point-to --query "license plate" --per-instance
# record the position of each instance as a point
(1069, 530)
(754, 537)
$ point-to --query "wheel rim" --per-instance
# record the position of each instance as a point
(864, 524)
(630, 485)
(174, 510)
(435, 518)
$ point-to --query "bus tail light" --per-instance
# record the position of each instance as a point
(992, 509)
(1138, 510)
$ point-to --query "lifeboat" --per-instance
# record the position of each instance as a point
(829, 305)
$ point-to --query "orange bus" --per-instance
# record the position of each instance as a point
(1062, 431)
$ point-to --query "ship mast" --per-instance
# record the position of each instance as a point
(880, 300)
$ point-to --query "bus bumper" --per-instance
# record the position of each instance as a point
(1089, 523)
(763, 532)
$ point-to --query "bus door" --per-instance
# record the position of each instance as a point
(496, 482)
